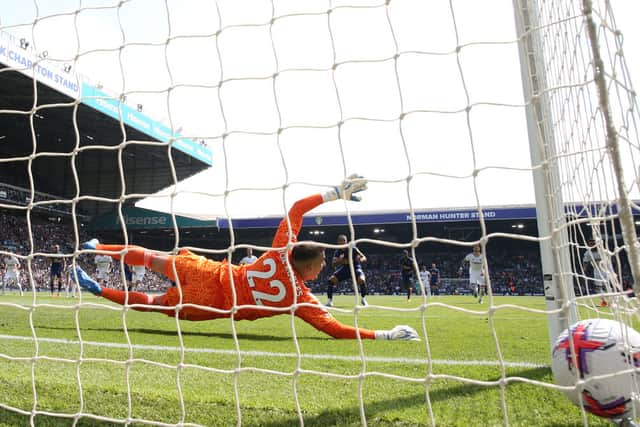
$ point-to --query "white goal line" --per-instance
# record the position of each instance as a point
(373, 359)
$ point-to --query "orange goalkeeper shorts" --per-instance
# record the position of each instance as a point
(200, 284)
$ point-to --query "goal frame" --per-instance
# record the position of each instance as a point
(550, 209)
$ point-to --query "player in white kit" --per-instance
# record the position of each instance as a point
(137, 274)
(425, 276)
(103, 268)
(476, 274)
(250, 258)
(12, 273)
(602, 277)
(71, 287)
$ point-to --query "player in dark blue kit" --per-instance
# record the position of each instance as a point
(57, 267)
(342, 270)
(406, 271)
(128, 276)
(434, 279)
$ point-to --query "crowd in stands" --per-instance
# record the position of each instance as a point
(511, 272)
(17, 240)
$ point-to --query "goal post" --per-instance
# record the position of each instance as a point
(550, 210)
(543, 76)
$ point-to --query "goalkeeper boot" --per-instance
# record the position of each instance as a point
(91, 244)
(87, 282)
(329, 303)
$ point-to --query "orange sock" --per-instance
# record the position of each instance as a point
(134, 256)
(119, 296)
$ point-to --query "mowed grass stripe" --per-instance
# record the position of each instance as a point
(254, 353)
(467, 387)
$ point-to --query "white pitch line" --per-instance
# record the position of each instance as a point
(405, 360)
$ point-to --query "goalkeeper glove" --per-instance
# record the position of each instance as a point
(353, 184)
(400, 332)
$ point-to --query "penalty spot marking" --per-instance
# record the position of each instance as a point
(375, 359)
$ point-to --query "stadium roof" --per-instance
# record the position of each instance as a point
(40, 143)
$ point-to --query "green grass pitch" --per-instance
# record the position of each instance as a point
(85, 362)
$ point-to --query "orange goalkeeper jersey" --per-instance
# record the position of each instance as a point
(270, 283)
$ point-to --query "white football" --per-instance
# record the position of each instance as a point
(602, 347)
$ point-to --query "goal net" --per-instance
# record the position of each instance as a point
(197, 125)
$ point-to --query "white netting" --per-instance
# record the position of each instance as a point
(285, 99)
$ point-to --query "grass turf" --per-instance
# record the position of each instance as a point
(87, 367)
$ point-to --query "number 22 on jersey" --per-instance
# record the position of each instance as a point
(259, 296)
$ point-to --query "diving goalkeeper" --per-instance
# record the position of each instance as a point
(268, 287)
